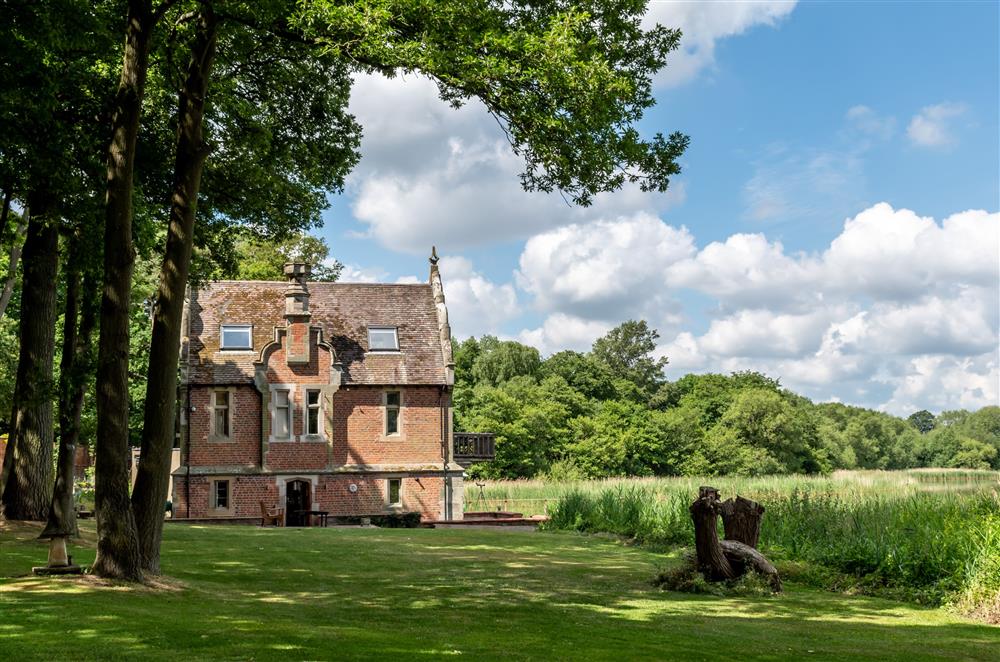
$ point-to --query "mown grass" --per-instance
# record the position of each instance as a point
(249, 593)
(891, 533)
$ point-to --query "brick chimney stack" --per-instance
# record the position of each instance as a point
(297, 312)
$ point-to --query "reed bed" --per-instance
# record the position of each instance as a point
(928, 536)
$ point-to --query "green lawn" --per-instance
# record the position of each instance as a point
(249, 593)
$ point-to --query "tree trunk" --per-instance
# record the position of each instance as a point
(73, 370)
(117, 541)
(153, 477)
(741, 520)
(705, 513)
(15, 255)
(744, 558)
(5, 211)
(729, 558)
(26, 489)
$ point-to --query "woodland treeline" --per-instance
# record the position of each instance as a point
(612, 412)
(145, 145)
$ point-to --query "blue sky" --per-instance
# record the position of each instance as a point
(801, 117)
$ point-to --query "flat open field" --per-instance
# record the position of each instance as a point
(250, 593)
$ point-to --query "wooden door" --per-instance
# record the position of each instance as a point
(297, 499)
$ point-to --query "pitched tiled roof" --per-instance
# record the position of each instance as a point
(343, 310)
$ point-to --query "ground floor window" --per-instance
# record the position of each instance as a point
(220, 494)
(394, 491)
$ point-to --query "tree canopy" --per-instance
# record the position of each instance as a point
(583, 415)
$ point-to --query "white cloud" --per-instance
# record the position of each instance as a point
(749, 271)
(932, 126)
(603, 269)
(870, 123)
(353, 273)
(476, 305)
(431, 173)
(896, 304)
(453, 177)
(561, 331)
(945, 382)
(704, 24)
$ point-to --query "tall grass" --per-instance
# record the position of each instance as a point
(932, 537)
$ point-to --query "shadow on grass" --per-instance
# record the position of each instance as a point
(321, 594)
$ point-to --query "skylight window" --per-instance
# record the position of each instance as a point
(382, 339)
(236, 336)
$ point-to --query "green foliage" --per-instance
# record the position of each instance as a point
(922, 420)
(501, 360)
(627, 351)
(607, 413)
(568, 83)
(879, 534)
(584, 373)
(261, 259)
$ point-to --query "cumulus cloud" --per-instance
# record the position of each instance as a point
(561, 331)
(597, 270)
(706, 23)
(896, 304)
(475, 303)
(353, 273)
(933, 125)
(429, 171)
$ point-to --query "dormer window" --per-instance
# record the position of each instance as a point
(382, 339)
(237, 336)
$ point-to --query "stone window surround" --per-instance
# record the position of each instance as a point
(400, 435)
(212, 435)
(394, 507)
(272, 411)
(322, 436)
(220, 512)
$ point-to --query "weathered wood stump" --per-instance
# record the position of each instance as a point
(741, 520)
(735, 556)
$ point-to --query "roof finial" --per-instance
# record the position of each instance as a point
(434, 255)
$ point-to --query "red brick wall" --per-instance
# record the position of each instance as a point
(317, 371)
(244, 447)
(359, 426)
(420, 494)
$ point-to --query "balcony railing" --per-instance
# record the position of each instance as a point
(474, 447)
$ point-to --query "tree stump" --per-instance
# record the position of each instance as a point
(712, 561)
(741, 520)
(735, 556)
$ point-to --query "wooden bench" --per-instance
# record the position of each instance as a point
(272, 516)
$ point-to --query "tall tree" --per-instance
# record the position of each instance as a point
(79, 319)
(152, 477)
(117, 540)
(29, 473)
(627, 350)
(276, 105)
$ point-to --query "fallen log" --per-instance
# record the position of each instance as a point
(744, 558)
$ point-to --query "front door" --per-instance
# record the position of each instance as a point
(296, 502)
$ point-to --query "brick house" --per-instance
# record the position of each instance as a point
(317, 396)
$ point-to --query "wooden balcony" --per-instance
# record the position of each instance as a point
(470, 447)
